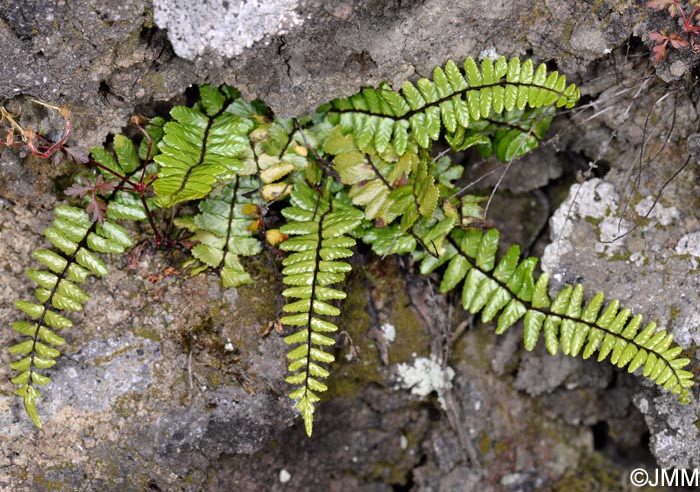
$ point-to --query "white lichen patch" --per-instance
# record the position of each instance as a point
(637, 259)
(389, 332)
(595, 202)
(424, 376)
(657, 213)
(684, 334)
(612, 232)
(225, 27)
(689, 244)
(489, 53)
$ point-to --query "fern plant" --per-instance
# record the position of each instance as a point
(359, 168)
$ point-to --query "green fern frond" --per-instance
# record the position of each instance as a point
(224, 230)
(76, 238)
(508, 291)
(318, 239)
(456, 99)
(199, 147)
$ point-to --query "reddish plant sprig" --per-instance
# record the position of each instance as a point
(56, 151)
(58, 146)
(662, 39)
(689, 30)
(96, 207)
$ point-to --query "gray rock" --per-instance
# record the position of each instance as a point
(105, 61)
(646, 255)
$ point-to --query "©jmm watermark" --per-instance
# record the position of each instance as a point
(665, 477)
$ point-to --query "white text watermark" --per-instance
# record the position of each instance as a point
(665, 477)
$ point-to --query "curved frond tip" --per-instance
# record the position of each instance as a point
(507, 291)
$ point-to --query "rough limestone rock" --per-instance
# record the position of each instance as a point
(167, 382)
(104, 60)
(635, 236)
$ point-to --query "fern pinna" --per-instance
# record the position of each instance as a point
(359, 168)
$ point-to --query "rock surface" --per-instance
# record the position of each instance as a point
(635, 236)
(167, 383)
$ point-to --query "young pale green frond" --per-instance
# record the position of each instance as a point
(277, 150)
(197, 150)
(224, 229)
(318, 241)
(507, 291)
(463, 101)
(386, 189)
(76, 238)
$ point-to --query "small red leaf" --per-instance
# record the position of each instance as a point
(97, 208)
(677, 42)
(77, 154)
(658, 36)
(79, 190)
(105, 186)
(659, 52)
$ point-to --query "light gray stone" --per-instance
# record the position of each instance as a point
(223, 27)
